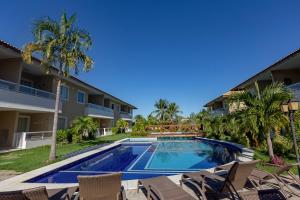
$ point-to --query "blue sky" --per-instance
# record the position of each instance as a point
(185, 51)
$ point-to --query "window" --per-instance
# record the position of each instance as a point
(64, 93)
(62, 123)
(81, 97)
(112, 106)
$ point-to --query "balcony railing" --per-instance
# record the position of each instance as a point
(125, 115)
(7, 85)
(26, 140)
(296, 90)
(103, 132)
(98, 110)
(218, 112)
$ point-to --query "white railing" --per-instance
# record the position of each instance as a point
(26, 140)
(103, 132)
(296, 89)
(125, 115)
(7, 85)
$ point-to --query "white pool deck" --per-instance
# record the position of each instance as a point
(17, 182)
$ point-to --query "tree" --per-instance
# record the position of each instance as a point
(172, 112)
(62, 45)
(122, 125)
(161, 109)
(139, 118)
(84, 126)
(263, 109)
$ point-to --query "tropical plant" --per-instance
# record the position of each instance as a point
(263, 109)
(122, 125)
(62, 45)
(83, 127)
(161, 109)
(172, 112)
(138, 118)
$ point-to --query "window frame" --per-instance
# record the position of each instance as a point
(84, 95)
(68, 96)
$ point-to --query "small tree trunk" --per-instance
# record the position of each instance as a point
(270, 145)
(52, 155)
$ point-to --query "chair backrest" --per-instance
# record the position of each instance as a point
(12, 195)
(238, 175)
(38, 193)
(100, 187)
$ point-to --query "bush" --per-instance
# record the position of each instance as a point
(140, 133)
(122, 125)
(62, 136)
(115, 130)
(282, 146)
(84, 128)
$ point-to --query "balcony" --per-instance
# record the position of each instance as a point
(98, 111)
(218, 112)
(21, 97)
(296, 90)
(125, 115)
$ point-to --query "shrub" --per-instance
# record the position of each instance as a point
(62, 136)
(122, 125)
(139, 133)
(282, 146)
(139, 129)
(83, 127)
(115, 130)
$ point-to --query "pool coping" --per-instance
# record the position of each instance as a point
(18, 182)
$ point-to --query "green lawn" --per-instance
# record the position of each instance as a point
(265, 158)
(27, 160)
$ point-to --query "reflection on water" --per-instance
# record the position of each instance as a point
(187, 155)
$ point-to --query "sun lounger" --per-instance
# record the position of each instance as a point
(162, 188)
(212, 184)
(39, 193)
(101, 187)
(286, 183)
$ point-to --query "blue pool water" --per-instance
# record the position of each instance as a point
(143, 160)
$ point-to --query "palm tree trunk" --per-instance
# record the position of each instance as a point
(52, 155)
(270, 145)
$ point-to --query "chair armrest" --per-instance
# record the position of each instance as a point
(156, 192)
(122, 194)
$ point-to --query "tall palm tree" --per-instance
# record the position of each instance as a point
(161, 109)
(63, 45)
(172, 112)
(263, 109)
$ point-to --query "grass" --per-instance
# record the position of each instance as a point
(263, 156)
(30, 159)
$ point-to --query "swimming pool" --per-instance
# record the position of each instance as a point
(142, 159)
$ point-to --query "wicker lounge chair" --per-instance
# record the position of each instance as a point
(215, 186)
(162, 188)
(288, 184)
(101, 187)
(39, 193)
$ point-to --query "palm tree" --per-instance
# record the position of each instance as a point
(84, 126)
(139, 118)
(63, 45)
(161, 109)
(263, 109)
(172, 111)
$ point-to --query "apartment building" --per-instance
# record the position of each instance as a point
(286, 70)
(27, 100)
